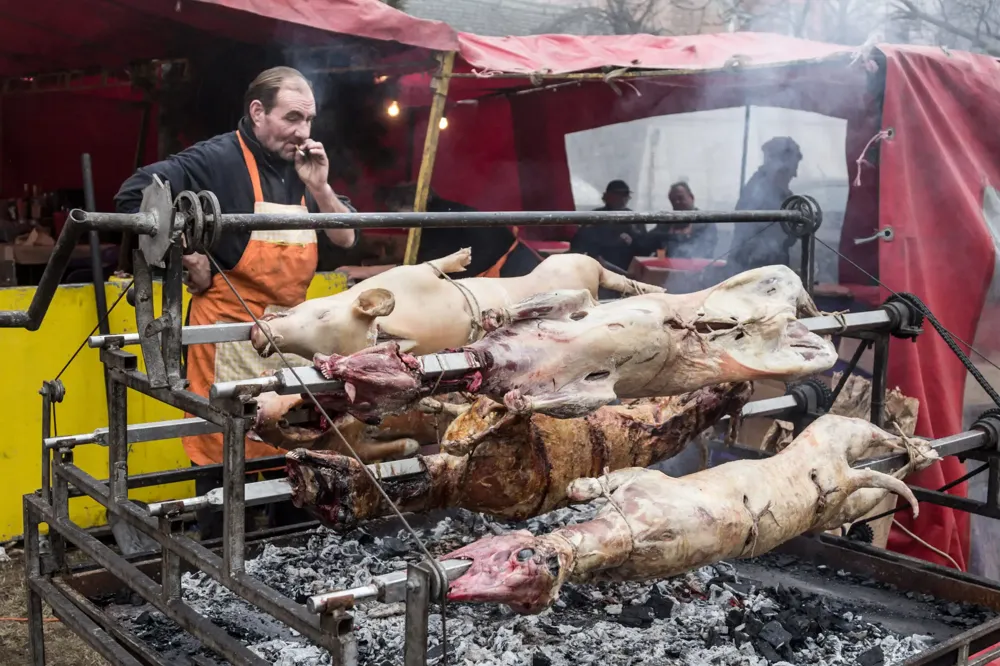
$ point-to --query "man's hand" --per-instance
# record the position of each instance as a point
(313, 167)
(626, 238)
(315, 173)
(199, 273)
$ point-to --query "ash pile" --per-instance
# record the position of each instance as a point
(738, 614)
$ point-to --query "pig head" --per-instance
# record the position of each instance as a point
(326, 325)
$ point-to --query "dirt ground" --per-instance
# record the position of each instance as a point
(62, 647)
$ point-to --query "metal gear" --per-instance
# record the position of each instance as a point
(805, 204)
(861, 532)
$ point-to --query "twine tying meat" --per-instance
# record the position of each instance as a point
(476, 328)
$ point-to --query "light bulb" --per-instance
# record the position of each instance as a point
(443, 124)
(393, 109)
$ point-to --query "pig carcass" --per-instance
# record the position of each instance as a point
(397, 436)
(654, 526)
(564, 355)
(519, 469)
(422, 308)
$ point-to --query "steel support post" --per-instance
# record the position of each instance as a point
(170, 567)
(172, 317)
(33, 571)
(419, 589)
(60, 507)
(808, 272)
(234, 510)
(879, 375)
(993, 484)
(339, 625)
(118, 440)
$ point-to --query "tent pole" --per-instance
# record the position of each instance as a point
(746, 142)
(440, 87)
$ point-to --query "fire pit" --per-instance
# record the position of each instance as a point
(768, 610)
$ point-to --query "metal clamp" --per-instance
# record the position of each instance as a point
(989, 422)
(906, 321)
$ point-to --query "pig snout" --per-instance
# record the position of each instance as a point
(259, 335)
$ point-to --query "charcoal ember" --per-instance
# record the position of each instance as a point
(799, 627)
(953, 609)
(740, 588)
(753, 624)
(143, 618)
(573, 596)
(713, 639)
(741, 637)
(551, 630)
(662, 606)
(540, 659)
(359, 535)
(394, 547)
(636, 617)
(769, 653)
(734, 618)
(435, 652)
(785, 561)
(872, 657)
(774, 634)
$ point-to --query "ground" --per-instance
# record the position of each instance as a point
(62, 647)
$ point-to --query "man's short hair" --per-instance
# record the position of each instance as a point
(783, 148)
(618, 187)
(682, 184)
(266, 86)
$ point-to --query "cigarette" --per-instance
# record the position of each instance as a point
(304, 152)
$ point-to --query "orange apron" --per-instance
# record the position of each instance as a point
(273, 274)
(494, 270)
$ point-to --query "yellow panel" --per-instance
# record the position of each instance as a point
(31, 357)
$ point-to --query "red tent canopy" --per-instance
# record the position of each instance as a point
(49, 35)
(927, 181)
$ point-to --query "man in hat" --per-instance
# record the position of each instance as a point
(614, 243)
(757, 244)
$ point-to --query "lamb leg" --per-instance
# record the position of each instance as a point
(552, 305)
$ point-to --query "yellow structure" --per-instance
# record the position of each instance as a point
(29, 358)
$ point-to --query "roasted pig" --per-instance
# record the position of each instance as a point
(521, 467)
(654, 526)
(397, 436)
(563, 355)
(423, 309)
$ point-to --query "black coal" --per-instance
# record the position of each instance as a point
(717, 615)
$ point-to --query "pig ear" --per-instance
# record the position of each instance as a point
(374, 303)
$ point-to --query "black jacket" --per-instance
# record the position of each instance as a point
(757, 244)
(604, 241)
(217, 165)
(488, 244)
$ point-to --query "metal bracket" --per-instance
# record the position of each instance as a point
(809, 208)
(906, 320)
(813, 399)
(425, 582)
(156, 200)
(885, 234)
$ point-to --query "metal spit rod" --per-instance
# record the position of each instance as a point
(388, 588)
(218, 333)
(284, 381)
(392, 587)
(263, 492)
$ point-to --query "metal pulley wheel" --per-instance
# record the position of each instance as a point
(213, 224)
(188, 204)
(807, 206)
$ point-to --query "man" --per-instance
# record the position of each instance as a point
(614, 243)
(269, 164)
(496, 251)
(680, 240)
(767, 189)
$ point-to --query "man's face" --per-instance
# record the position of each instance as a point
(681, 199)
(616, 200)
(289, 123)
(784, 170)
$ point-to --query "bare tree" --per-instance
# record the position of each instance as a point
(967, 24)
(615, 17)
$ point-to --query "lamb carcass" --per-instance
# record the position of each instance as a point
(397, 436)
(654, 526)
(564, 355)
(422, 309)
(521, 467)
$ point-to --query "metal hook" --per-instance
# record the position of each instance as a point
(885, 234)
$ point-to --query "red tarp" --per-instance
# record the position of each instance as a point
(928, 184)
(51, 35)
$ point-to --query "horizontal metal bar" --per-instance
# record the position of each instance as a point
(388, 588)
(155, 431)
(186, 401)
(284, 381)
(212, 636)
(257, 593)
(852, 322)
(275, 490)
(281, 221)
(114, 628)
(946, 446)
(955, 502)
(768, 407)
(190, 335)
(81, 625)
